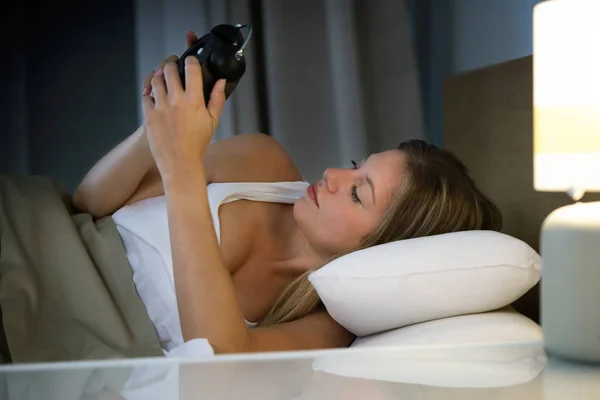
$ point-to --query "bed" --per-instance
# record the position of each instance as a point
(488, 125)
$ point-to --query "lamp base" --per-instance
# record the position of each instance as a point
(570, 284)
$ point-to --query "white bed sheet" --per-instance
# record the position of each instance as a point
(485, 351)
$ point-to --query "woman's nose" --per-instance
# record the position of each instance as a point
(333, 178)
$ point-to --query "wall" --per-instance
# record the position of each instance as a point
(71, 86)
(487, 32)
(456, 36)
(14, 157)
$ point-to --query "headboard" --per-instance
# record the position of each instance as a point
(488, 124)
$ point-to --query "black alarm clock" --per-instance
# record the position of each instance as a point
(221, 55)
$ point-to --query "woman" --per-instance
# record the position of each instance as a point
(258, 271)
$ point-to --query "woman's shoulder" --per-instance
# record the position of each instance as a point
(249, 157)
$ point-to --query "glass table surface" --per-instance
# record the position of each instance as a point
(516, 371)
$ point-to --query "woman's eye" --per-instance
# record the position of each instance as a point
(354, 193)
(355, 197)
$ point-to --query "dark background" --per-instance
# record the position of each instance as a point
(69, 85)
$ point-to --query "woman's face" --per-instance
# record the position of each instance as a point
(338, 211)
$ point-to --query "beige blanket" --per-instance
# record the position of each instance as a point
(66, 287)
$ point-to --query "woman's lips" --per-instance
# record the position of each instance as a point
(312, 191)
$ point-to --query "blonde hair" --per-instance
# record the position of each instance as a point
(436, 196)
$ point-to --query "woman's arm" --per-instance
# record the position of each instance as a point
(128, 173)
(127, 170)
(207, 303)
(179, 126)
(115, 177)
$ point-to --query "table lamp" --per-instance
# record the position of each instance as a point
(566, 92)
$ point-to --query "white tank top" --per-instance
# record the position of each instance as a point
(143, 227)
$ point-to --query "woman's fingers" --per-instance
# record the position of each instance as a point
(193, 80)
(191, 38)
(147, 86)
(170, 59)
(159, 89)
(147, 82)
(147, 106)
(158, 85)
(217, 100)
(173, 81)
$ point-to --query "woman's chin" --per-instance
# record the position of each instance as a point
(304, 206)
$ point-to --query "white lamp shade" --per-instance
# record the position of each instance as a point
(566, 91)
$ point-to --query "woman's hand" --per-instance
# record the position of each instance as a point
(190, 39)
(179, 126)
(147, 90)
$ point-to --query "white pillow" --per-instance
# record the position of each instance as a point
(505, 327)
(410, 281)
(493, 349)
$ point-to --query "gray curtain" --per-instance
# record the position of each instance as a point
(329, 79)
(68, 84)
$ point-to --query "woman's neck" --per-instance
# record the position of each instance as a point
(292, 254)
